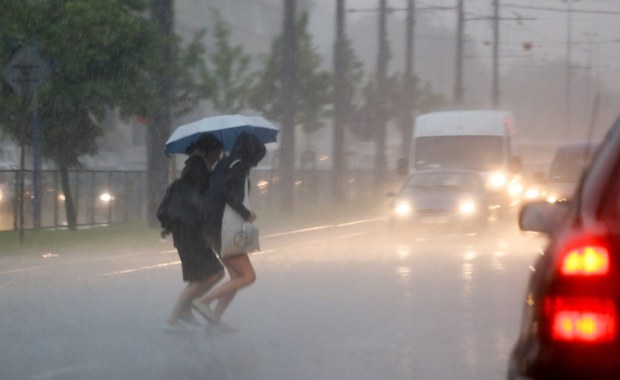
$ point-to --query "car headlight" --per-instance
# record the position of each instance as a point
(402, 208)
(106, 197)
(515, 189)
(467, 207)
(497, 180)
(552, 198)
(532, 193)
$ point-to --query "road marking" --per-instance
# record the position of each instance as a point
(324, 227)
(156, 266)
(23, 269)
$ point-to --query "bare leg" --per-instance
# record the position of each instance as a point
(224, 301)
(194, 289)
(241, 275)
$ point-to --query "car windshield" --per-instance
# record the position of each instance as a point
(479, 153)
(442, 182)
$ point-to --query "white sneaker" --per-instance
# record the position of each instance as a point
(180, 327)
(191, 321)
(204, 310)
(221, 327)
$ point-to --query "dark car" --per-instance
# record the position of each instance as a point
(571, 306)
(441, 197)
(569, 162)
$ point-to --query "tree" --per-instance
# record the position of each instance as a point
(105, 56)
(352, 83)
(228, 67)
(18, 22)
(313, 93)
(100, 52)
(192, 80)
(394, 101)
(162, 12)
(347, 75)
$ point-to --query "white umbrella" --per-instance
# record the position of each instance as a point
(226, 128)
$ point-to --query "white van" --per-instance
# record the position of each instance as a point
(479, 141)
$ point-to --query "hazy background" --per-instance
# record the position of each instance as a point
(532, 84)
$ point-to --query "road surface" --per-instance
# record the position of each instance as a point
(349, 301)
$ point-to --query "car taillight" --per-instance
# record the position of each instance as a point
(585, 256)
(588, 320)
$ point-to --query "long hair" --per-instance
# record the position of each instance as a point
(206, 143)
(249, 149)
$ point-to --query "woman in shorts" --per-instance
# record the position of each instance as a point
(200, 265)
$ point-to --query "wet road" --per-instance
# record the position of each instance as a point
(353, 301)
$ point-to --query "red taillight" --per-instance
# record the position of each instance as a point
(582, 319)
(585, 256)
(585, 261)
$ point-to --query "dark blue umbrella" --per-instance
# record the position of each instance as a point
(226, 128)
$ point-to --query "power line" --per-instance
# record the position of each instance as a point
(534, 7)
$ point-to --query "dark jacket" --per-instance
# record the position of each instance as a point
(228, 180)
(190, 205)
(196, 173)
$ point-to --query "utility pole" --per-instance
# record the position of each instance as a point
(460, 36)
(382, 62)
(589, 93)
(289, 69)
(495, 93)
(568, 86)
(410, 95)
(339, 147)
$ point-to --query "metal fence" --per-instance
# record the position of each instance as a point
(101, 197)
(104, 197)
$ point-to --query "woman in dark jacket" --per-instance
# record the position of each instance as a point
(228, 187)
(199, 263)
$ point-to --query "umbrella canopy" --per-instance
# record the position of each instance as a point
(226, 128)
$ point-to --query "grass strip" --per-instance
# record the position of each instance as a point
(136, 235)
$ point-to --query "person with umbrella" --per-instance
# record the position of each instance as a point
(229, 187)
(200, 265)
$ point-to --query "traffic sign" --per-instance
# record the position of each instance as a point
(26, 71)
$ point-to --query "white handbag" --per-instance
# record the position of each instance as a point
(238, 235)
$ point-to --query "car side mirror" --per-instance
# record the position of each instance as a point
(542, 216)
(402, 168)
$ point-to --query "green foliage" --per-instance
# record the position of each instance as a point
(192, 80)
(99, 52)
(352, 82)
(17, 23)
(229, 71)
(398, 97)
(430, 101)
(313, 84)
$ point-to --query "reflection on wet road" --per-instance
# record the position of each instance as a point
(352, 301)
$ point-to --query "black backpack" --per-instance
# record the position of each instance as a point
(182, 204)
